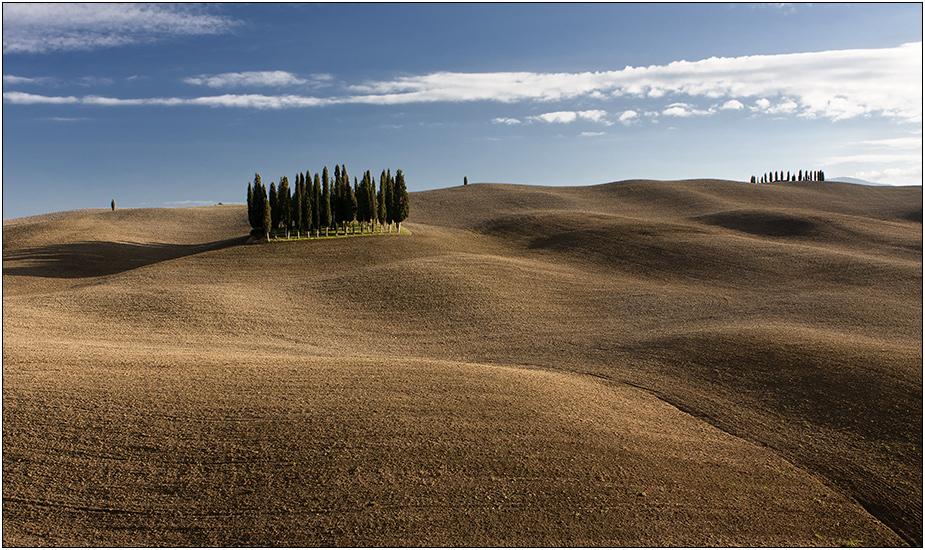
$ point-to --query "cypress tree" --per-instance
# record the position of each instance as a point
(337, 199)
(295, 207)
(402, 207)
(352, 206)
(306, 202)
(250, 205)
(325, 202)
(389, 201)
(253, 210)
(347, 200)
(362, 200)
(373, 206)
(284, 198)
(380, 198)
(264, 213)
(465, 180)
(274, 206)
(316, 204)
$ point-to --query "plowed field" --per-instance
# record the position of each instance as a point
(639, 363)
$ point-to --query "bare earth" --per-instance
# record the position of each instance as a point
(640, 363)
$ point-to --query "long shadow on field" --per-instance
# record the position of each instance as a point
(827, 405)
(98, 258)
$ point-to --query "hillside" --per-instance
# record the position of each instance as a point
(689, 363)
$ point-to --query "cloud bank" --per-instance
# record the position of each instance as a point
(834, 85)
(42, 28)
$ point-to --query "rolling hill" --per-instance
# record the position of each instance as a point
(692, 363)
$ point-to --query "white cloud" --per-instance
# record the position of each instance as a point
(12, 80)
(254, 101)
(784, 106)
(629, 117)
(592, 134)
(22, 98)
(732, 104)
(252, 78)
(48, 27)
(786, 8)
(892, 176)
(913, 143)
(595, 115)
(676, 110)
(503, 120)
(834, 85)
(890, 160)
(260, 101)
(557, 117)
(685, 110)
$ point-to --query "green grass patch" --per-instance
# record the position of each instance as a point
(280, 236)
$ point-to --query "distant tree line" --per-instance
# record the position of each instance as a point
(771, 177)
(319, 205)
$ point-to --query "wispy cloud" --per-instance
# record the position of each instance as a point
(505, 120)
(254, 101)
(23, 98)
(48, 27)
(785, 8)
(833, 85)
(66, 119)
(895, 161)
(12, 80)
(252, 78)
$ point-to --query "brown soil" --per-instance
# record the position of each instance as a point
(640, 363)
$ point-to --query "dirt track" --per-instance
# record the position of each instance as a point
(640, 363)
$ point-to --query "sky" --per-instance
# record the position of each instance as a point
(156, 105)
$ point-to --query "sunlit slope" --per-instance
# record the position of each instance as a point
(789, 315)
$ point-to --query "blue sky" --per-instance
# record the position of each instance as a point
(167, 105)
